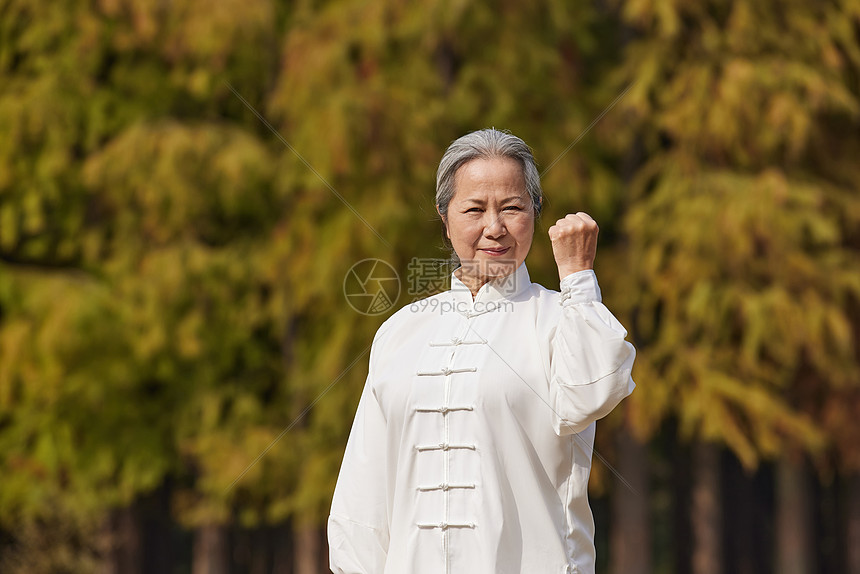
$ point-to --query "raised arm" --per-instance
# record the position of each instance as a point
(590, 361)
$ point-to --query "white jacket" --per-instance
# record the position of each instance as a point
(471, 448)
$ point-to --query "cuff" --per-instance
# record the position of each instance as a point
(580, 287)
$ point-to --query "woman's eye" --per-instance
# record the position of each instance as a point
(473, 210)
(513, 208)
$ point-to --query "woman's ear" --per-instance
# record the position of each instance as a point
(444, 222)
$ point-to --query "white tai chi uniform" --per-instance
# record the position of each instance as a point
(471, 448)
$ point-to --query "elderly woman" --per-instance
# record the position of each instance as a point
(471, 448)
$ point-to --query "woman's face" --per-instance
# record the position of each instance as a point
(490, 219)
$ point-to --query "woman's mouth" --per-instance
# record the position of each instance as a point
(496, 252)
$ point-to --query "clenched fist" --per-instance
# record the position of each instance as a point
(574, 243)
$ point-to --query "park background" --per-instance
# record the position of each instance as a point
(184, 186)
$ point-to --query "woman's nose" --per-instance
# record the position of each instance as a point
(494, 226)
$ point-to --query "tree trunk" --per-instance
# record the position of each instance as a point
(282, 554)
(681, 482)
(251, 549)
(852, 526)
(308, 550)
(706, 518)
(747, 518)
(259, 544)
(211, 550)
(793, 518)
(630, 536)
(122, 538)
(156, 524)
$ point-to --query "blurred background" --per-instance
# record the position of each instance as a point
(179, 366)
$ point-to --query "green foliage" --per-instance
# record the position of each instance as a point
(742, 221)
(171, 285)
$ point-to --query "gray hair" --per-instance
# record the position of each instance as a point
(486, 144)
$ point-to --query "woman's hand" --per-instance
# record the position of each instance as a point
(574, 243)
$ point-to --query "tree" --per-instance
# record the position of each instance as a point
(741, 223)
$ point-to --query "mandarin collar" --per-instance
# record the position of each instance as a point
(506, 287)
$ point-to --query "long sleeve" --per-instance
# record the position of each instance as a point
(591, 362)
(358, 531)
